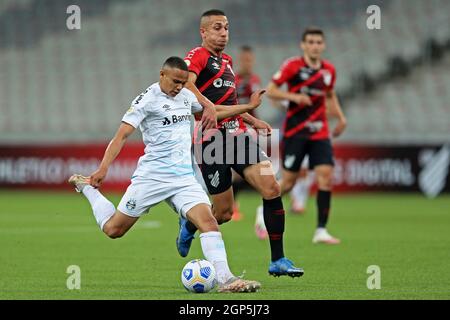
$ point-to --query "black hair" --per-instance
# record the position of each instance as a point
(213, 12)
(176, 62)
(246, 48)
(312, 30)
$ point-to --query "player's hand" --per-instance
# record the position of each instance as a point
(98, 176)
(256, 99)
(340, 127)
(301, 98)
(209, 117)
(262, 127)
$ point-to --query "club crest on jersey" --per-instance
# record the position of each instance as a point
(231, 69)
(326, 77)
(186, 103)
(131, 204)
(289, 160)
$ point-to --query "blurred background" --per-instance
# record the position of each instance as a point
(63, 88)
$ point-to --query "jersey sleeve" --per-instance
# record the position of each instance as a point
(196, 60)
(136, 113)
(285, 72)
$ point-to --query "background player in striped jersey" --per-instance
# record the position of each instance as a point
(212, 80)
(310, 81)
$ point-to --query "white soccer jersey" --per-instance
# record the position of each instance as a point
(165, 124)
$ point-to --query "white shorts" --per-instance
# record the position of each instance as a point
(181, 195)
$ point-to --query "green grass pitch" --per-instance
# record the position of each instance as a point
(407, 236)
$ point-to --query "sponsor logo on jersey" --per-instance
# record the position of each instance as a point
(231, 126)
(314, 126)
(176, 119)
(166, 107)
(304, 75)
(219, 82)
(215, 65)
(130, 110)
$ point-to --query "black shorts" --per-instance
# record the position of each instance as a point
(219, 157)
(295, 149)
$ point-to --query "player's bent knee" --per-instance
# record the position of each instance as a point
(271, 190)
(113, 232)
(224, 215)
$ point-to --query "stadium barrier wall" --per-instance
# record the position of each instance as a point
(358, 168)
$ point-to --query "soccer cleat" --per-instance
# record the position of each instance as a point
(284, 267)
(260, 227)
(322, 236)
(79, 182)
(236, 285)
(184, 239)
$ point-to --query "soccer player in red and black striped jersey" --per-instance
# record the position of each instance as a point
(310, 81)
(212, 80)
(247, 82)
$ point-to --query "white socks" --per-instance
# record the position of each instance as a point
(102, 208)
(300, 191)
(214, 251)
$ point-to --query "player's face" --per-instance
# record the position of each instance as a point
(172, 80)
(214, 32)
(246, 61)
(313, 46)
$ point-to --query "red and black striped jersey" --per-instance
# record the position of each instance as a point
(301, 120)
(245, 86)
(216, 81)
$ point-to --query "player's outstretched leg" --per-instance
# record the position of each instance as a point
(102, 208)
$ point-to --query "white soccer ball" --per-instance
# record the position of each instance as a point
(199, 276)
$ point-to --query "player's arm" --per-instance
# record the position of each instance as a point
(274, 92)
(111, 152)
(229, 111)
(209, 117)
(334, 109)
(256, 123)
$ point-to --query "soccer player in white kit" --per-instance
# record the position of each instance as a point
(163, 113)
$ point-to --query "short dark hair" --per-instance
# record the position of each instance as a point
(176, 62)
(213, 12)
(312, 30)
(246, 48)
